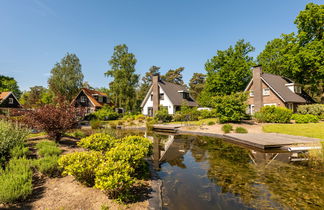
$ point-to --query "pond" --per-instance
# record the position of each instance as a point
(201, 172)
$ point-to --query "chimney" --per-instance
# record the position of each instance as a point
(156, 92)
(257, 88)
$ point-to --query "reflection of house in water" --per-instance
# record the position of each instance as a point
(266, 157)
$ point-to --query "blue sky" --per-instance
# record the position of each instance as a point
(35, 34)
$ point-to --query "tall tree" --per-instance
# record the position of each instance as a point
(300, 56)
(196, 84)
(124, 78)
(229, 71)
(147, 81)
(9, 84)
(37, 96)
(174, 76)
(66, 77)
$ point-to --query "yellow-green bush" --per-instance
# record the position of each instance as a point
(81, 165)
(145, 142)
(47, 148)
(98, 142)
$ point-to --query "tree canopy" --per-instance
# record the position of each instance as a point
(66, 77)
(229, 71)
(174, 76)
(146, 82)
(197, 84)
(9, 84)
(124, 78)
(36, 97)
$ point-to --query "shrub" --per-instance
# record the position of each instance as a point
(95, 124)
(204, 114)
(273, 114)
(48, 165)
(149, 124)
(114, 178)
(227, 128)
(106, 113)
(211, 123)
(163, 115)
(78, 134)
(55, 120)
(240, 130)
(314, 109)
(98, 142)
(230, 108)
(10, 136)
(81, 165)
(305, 118)
(16, 181)
(47, 148)
(19, 151)
(187, 114)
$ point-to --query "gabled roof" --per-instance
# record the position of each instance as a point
(89, 93)
(172, 90)
(4, 95)
(278, 85)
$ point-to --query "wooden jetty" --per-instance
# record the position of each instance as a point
(270, 140)
(169, 128)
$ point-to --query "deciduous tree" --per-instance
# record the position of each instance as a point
(174, 76)
(9, 84)
(196, 84)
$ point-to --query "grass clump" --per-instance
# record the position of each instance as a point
(211, 123)
(240, 130)
(16, 181)
(48, 165)
(48, 148)
(227, 128)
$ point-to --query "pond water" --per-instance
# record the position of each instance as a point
(208, 173)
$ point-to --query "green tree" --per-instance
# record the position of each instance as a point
(196, 84)
(147, 82)
(124, 78)
(300, 57)
(174, 76)
(66, 77)
(9, 84)
(229, 71)
(37, 96)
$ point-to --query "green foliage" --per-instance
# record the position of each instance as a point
(9, 84)
(205, 114)
(273, 114)
(187, 113)
(95, 124)
(174, 76)
(305, 118)
(106, 113)
(48, 165)
(229, 108)
(227, 128)
(16, 181)
(124, 78)
(66, 77)
(48, 148)
(147, 82)
(150, 123)
(98, 142)
(229, 71)
(36, 97)
(11, 136)
(77, 134)
(19, 151)
(163, 115)
(81, 165)
(314, 109)
(240, 130)
(197, 84)
(211, 123)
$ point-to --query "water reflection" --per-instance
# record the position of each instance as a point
(208, 173)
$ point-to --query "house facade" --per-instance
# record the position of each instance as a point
(9, 100)
(165, 94)
(273, 90)
(91, 100)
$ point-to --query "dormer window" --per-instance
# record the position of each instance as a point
(266, 91)
(298, 89)
(185, 94)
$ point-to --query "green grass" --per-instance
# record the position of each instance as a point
(33, 135)
(197, 122)
(48, 148)
(314, 130)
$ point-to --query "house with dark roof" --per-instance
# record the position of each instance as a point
(269, 89)
(9, 100)
(91, 100)
(165, 94)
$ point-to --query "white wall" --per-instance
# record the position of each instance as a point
(166, 102)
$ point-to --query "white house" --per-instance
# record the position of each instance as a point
(166, 94)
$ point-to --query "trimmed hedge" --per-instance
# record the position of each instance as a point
(98, 142)
(314, 109)
(273, 114)
(305, 118)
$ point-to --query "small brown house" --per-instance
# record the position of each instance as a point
(9, 100)
(91, 100)
(269, 89)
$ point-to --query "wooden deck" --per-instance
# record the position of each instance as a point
(270, 140)
(170, 128)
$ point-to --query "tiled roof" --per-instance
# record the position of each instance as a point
(4, 95)
(89, 93)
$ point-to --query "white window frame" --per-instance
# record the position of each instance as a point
(11, 101)
(298, 89)
(251, 93)
(266, 91)
(270, 104)
(83, 99)
(291, 106)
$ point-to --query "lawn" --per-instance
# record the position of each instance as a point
(314, 130)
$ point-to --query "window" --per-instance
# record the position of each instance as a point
(83, 99)
(272, 104)
(291, 106)
(297, 89)
(266, 91)
(251, 93)
(161, 96)
(151, 97)
(100, 99)
(11, 101)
